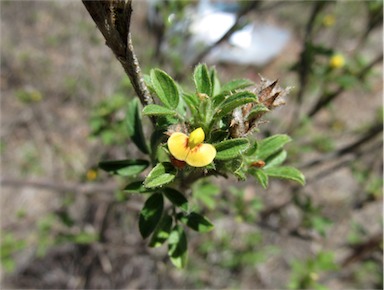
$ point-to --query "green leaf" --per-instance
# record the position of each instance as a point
(85, 238)
(236, 84)
(192, 101)
(256, 111)
(196, 222)
(202, 80)
(162, 232)
(157, 110)
(216, 87)
(177, 247)
(275, 159)
(231, 148)
(286, 172)
(260, 176)
(234, 101)
(161, 174)
(176, 197)
(124, 167)
(150, 214)
(135, 126)
(165, 88)
(252, 150)
(136, 187)
(271, 145)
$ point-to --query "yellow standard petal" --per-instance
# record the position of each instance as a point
(178, 145)
(201, 155)
(196, 137)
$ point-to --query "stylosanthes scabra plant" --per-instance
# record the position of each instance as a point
(207, 132)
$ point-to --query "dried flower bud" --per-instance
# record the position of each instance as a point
(247, 118)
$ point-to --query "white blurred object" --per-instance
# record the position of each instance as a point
(255, 44)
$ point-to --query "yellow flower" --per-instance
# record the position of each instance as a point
(192, 150)
(329, 20)
(91, 174)
(337, 61)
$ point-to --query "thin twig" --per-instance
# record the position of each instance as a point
(83, 188)
(372, 132)
(329, 97)
(306, 61)
(362, 250)
(113, 18)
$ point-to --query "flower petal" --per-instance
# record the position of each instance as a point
(178, 145)
(201, 155)
(196, 137)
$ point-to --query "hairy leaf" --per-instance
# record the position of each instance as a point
(202, 80)
(161, 174)
(157, 110)
(231, 148)
(234, 101)
(124, 167)
(286, 172)
(271, 145)
(165, 88)
(135, 126)
(236, 84)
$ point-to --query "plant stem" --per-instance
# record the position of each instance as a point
(113, 19)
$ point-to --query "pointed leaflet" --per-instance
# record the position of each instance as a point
(196, 222)
(162, 232)
(231, 148)
(271, 145)
(136, 187)
(161, 174)
(202, 80)
(156, 110)
(261, 177)
(176, 197)
(286, 172)
(177, 247)
(234, 101)
(275, 159)
(216, 87)
(235, 85)
(124, 167)
(165, 88)
(135, 126)
(150, 214)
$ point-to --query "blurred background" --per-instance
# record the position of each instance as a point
(65, 224)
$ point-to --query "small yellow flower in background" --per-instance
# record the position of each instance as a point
(91, 174)
(329, 20)
(191, 149)
(337, 61)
